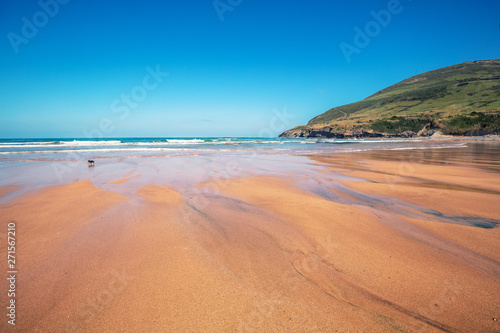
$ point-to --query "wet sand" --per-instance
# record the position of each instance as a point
(385, 241)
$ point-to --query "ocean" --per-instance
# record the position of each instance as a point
(59, 149)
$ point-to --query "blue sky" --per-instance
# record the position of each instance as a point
(71, 76)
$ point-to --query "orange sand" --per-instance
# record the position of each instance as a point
(122, 180)
(4, 190)
(259, 254)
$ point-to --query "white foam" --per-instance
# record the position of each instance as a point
(189, 141)
(100, 150)
(76, 143)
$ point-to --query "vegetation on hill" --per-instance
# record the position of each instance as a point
(463, 99)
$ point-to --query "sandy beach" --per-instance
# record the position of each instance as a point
(376, 241)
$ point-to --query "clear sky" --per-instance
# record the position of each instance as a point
(83, 68)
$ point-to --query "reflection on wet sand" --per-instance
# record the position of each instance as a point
(379, 241)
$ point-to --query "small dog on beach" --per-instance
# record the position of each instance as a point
(91, 163)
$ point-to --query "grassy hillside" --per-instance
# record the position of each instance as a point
(463, 99)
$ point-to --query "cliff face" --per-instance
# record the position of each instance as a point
(326, 133)
(463, 99)
(329, 134)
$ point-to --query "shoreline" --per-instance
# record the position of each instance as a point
(179, 138)
(381, 240)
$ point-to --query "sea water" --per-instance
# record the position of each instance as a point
(58, 149)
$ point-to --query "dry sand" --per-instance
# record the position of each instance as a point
(392, 248)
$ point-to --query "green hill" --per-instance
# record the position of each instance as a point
(463, 99)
